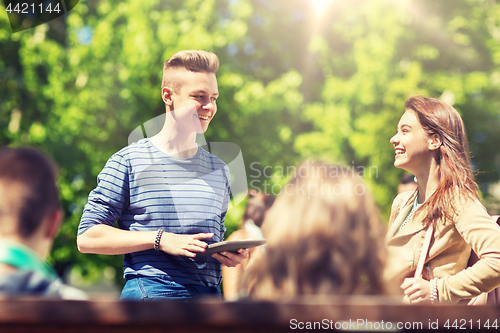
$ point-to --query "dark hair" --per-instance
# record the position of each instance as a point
(28, 179)
(406, 179)
(257, 206)
(455, 173)
(191, 60)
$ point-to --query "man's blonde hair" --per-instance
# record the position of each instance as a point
(191, 60)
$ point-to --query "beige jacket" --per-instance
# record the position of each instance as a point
(449, 251)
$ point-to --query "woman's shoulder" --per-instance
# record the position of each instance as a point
(461, 202)
(469, 209)
(399, 202)
(402, 199)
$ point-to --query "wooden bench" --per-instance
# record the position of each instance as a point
(322, 313)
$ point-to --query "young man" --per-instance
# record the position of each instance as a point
(168, 195)
(29, 220)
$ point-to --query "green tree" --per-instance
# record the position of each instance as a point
(377, 53)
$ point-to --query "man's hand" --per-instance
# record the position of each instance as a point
(231, 259)
(183, 245)
(416, 290)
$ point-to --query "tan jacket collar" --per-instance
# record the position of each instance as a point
(410, 228)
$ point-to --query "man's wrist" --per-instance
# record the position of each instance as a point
(156, 246)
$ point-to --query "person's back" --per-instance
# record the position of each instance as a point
(30, 217)
(23, 273)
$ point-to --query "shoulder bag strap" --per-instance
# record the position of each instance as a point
(425, 250)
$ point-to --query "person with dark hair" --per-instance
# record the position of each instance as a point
(30, 217)
(407, 183)
(258, 203)
(324, 237)
(444, 213)
(168, 195)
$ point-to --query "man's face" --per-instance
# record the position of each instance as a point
(194, 103)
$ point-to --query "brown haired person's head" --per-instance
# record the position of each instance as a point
(431, 136)
(29, 202)
(324, 236)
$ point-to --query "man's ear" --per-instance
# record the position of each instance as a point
(435, 142)
(166, 95)
(54, 221)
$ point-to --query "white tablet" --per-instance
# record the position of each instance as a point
(233, 246)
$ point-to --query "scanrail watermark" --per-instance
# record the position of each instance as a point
(357, 324)
(323, 188)
(367, 325)
(332, 171)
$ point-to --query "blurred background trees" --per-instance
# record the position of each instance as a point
(298, 79)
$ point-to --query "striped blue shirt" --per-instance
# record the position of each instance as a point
(144, 189)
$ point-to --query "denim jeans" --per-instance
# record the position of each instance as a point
(148, 288)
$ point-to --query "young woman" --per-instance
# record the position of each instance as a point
(323, 237)
(432, 144)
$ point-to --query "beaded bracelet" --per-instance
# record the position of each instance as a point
(157, 240)
(433, 292)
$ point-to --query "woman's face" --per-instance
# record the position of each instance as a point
(412, 144)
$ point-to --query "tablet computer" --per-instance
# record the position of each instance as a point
(233, 246)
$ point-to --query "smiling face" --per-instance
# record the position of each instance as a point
(414, 148)
(194, 103)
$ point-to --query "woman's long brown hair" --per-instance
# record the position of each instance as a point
(455, 176)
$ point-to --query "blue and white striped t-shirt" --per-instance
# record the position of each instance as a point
(144, 189)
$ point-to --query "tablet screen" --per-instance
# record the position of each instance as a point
(231, 246)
